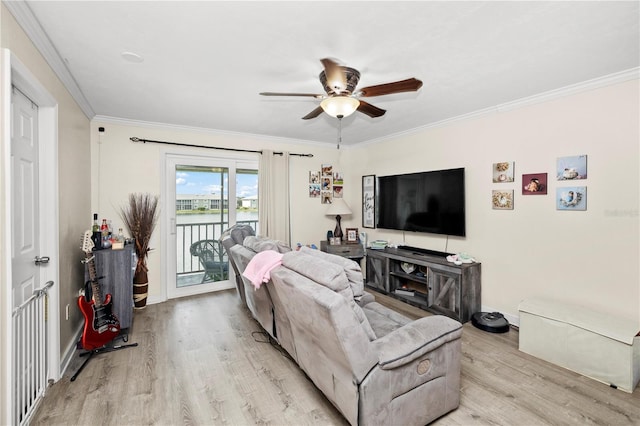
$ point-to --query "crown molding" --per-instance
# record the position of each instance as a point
(204, 130)
(30, 25)
(596, 83)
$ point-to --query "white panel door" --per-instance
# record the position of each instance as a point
(24, 195)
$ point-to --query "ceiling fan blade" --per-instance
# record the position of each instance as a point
(335, 75)
(312, 95)
(370, 110)
(313, 114)
(408, 85)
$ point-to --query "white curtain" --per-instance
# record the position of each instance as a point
(273, 196)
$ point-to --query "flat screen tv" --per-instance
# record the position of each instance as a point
(431, 202)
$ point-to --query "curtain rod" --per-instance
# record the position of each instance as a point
(135, 139)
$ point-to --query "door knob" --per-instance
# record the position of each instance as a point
(40, 260)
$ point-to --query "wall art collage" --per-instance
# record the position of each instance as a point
(572, 168)
(326, 184)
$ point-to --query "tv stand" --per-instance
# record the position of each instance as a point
(432, 283)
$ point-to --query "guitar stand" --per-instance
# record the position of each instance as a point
(103, 349)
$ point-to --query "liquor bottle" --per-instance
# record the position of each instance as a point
(96, 235)
(95, 227)
(104, 229)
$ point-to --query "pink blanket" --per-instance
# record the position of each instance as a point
(258, 270)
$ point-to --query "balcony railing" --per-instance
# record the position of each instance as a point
(189, 233)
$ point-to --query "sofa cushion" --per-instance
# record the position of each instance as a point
(259, 244)
(362, 318)
(237, 233)
(327, 275)
(382, 319)
(351, 269)
(324, 273)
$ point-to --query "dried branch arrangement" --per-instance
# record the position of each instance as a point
(140, 217)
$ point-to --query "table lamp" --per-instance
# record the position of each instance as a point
(337, 208)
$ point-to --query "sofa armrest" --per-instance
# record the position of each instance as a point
(415, 339)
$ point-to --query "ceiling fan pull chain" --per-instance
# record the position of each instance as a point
(339, 130)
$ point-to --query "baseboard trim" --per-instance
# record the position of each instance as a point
(152, 300)
(513, 319)
(70, 350)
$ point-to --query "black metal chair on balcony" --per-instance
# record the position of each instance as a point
(212, 258)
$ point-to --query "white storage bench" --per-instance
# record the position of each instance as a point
(593, 344)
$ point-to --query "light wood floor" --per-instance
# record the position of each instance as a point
(200, 362)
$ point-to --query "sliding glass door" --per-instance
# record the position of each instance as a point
(205, 196)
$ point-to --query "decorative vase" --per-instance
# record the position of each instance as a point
(140, 292)
(140, 289)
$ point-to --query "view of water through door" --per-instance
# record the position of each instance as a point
(210, 196)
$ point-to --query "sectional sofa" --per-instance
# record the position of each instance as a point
(375, 365)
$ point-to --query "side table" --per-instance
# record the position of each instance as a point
(353, 251)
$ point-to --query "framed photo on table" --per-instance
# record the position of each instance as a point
(368, 201)
(352, 235)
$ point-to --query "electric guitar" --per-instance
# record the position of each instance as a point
(100, 324)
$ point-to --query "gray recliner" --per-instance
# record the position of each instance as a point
(232, 236)
(376, 366)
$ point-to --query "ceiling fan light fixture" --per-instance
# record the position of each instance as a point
(340, 106)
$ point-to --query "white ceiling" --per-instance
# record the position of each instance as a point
(206, 61)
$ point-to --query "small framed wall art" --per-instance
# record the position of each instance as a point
(369, 201)
(572, 168)
(314, 184)
(503, 172)
(571, 198)
(534, 184)
(502, 200)
(326, 182)
(337, 178)
(314, 190)
(338, 183)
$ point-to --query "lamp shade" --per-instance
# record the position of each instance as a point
(340, 106)
(338, 207)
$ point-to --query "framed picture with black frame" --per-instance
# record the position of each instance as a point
(369, 201)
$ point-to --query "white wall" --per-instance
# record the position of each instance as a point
(127, 167)
(588, 257)
(73, 184)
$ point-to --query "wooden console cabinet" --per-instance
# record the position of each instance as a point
(114, 269)
(435, 284)
(350, 251)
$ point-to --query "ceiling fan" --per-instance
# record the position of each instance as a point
(342, 99)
